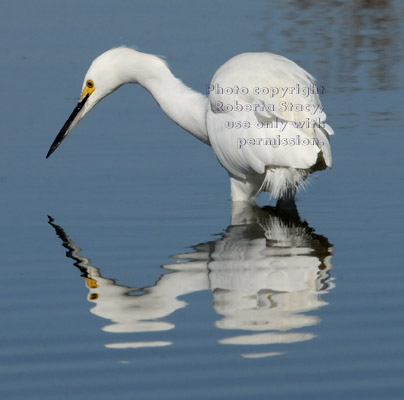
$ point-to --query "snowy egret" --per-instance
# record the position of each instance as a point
(262, 115)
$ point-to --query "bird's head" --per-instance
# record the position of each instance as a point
(102, 78)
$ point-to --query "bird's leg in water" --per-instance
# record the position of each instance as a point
(243, 191)
(287, 202)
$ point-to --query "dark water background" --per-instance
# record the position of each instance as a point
(167, 299)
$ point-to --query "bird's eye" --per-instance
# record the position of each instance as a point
(90, 84)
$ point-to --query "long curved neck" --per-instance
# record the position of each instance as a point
(183, 105)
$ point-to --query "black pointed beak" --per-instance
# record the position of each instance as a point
(69, 124)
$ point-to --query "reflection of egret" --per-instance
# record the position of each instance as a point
(129, 309)
(265, 273)
(263, 117)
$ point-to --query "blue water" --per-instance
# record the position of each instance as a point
(143, 283)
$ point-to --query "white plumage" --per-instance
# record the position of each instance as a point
(262, 117)
(278, 168)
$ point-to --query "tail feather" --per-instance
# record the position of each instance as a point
(283, 182)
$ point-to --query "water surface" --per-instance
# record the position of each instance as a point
(144, 282)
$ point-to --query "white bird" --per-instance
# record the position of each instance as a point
(262, 116)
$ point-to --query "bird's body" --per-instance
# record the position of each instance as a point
(262, 116)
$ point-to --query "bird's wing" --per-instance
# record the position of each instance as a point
(264, 111)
